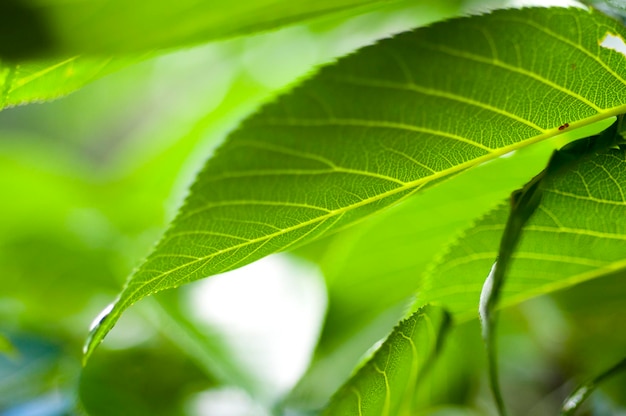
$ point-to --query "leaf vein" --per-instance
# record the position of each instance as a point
(575, 45)
(372, 123)
(501, 64)
(433, 92)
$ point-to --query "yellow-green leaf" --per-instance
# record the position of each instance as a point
(577, 233)
(386, 385)
(380, 125)
(49, 28)
(38, 81)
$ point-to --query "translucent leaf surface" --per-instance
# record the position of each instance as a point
(42, 79)
(57, 27)
(379, 126)
(577, 233)
(382, 263)
(49, 79)
(387, 383)
(395, 248)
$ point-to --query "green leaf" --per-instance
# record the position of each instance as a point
(379, 126)
(387, 383)
(44, 79)
(524, 204)
(6, 348)
(574, 401)
(382, 263)
(577, 233)
(596, 337)
(49, 79)
(386, 245)
(61, 28)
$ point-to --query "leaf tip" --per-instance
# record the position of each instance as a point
(99, 328)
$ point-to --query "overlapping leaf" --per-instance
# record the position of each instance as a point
(381, 125)
(61, 28)
(382, 263)
(577, 233)
(387, 383)
(45, 78)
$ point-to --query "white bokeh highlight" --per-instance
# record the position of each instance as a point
(269, 313)
(614, 42)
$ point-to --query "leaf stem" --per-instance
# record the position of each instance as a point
(524, 203)
(574, 401)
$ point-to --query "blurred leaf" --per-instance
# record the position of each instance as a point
(49, 79)
(615, 8)
(55, 27)
(6, 348)
(45, 79)
(348, 142)
(596, 335)
(207, 349)
(140, 381)
(387, 383)
(455, 372)
(577, 233)
(33, 372)
(575, 400)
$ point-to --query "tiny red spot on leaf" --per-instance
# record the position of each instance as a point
(564, 126)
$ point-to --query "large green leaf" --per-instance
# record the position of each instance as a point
(379, 126)
(382, 263)
(61, 28)
(386, 385)
(395, 248)
(577, 233)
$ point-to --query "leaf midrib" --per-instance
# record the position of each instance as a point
(40, 73)
(408, 186)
